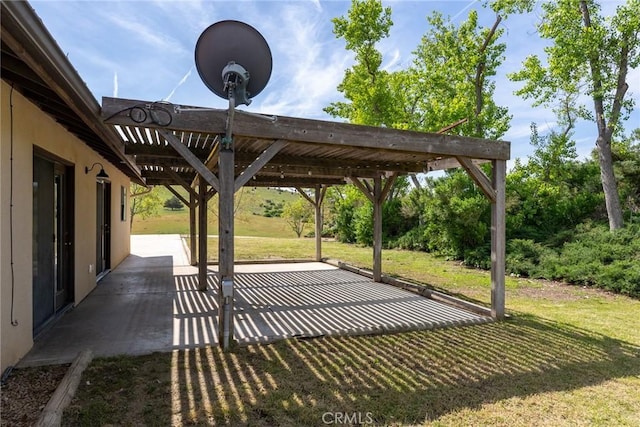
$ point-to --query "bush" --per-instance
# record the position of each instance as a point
(173, 203)
(413, 240)
(599, 257)
(524, 257)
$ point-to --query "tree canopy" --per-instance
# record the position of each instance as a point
(588, 55)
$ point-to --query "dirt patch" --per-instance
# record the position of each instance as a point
(26, 393)
(557, 291)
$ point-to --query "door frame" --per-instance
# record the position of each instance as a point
(103, 228)
(62, 266)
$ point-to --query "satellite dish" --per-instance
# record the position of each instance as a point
(233, 55)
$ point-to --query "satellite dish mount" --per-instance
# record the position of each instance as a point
(236, 79)
(233, 60)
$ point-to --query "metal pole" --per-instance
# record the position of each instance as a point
(226, 179)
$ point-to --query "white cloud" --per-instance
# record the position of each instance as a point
(180, 83)
(393, 62)
(308, 63)
(141, 32)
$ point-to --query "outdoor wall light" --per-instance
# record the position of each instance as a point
(101, 175)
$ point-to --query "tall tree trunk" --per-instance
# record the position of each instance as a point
(609, 185)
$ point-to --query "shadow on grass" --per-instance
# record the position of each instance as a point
(391, 379)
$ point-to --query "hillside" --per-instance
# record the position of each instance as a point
(250, 219)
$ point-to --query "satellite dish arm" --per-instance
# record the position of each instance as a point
(228, 137)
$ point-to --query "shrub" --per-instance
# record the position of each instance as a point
(602, 258)
(524, 257)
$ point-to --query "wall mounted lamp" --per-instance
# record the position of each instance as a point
(101, 175)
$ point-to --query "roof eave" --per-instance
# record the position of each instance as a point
(25, 33)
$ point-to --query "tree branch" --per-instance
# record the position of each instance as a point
(479, 81)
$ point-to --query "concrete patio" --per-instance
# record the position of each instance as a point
(150, 303)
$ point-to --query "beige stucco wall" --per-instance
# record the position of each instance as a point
(32, 127)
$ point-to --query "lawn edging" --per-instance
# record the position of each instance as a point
(52, 413)
(416, 289)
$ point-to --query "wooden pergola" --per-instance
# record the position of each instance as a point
(189, 147)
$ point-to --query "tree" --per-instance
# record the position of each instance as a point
(553, 192)
(365, 85)
(589, 55)
(626, 154)
(144, 202)
(452, 72)
(173, 203)
(297, 214)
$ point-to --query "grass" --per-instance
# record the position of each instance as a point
(249, 220)
(568, 356)
(523, 372)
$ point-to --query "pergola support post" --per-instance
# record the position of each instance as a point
(376, 195)
(192, 229)
(377, 229)
(320, 191)
(202, 235)
(498, 240)
(225, 245)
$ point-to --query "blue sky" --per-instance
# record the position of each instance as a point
(145, 50)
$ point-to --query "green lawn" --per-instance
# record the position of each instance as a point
(249, 219)
(568, 356)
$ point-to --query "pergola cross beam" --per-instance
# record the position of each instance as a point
(193, 160)
(258, 164)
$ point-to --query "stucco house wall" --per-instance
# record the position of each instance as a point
(25, 129)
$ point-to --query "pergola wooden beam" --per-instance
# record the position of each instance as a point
(193, 160)
(376, 194)
(114, 110)
(178, 179)
(258, 163)
(225, 245)
(202, 235)
(160, 151)
(479, 177)
(306, 154)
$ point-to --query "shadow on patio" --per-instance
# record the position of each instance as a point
(151, 303)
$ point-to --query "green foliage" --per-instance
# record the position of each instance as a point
(455, 219)
(365, 85)
(594, 257)
(553, 192)
(452, 71)
(524, 257)
(173, 203)
(588, 55)
(627, 167)
(145, 202)
(599, 257)
(297, 214)
(343, 202)
(272, 209)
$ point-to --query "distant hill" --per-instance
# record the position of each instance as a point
(250, 205)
